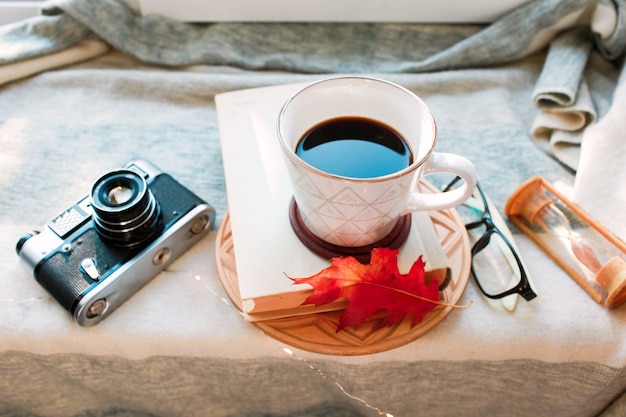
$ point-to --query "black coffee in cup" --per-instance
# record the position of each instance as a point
(354, 147)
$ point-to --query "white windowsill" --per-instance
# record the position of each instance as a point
(449, 11)
(419, 11)
(14, 11)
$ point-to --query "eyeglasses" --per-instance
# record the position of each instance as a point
(496, 265)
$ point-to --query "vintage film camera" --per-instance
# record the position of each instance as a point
(96, 254)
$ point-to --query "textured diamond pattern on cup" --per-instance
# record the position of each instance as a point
(368, 213)
(369, 232)
(308, 189)
(318, 225)
(350, 234)
(331, 212)
(347, 197)
(391, 194)
(356, 234)
(344, 217)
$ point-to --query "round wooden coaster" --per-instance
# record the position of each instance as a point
(317, 332)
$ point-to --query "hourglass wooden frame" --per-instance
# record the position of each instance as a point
(609, 286)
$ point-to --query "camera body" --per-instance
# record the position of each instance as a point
(93, 256)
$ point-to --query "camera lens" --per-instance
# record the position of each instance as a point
(126, 213)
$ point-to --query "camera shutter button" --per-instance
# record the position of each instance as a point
(88, 265)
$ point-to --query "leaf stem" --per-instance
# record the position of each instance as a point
(410, 294)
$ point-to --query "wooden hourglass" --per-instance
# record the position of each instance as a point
(589, 253)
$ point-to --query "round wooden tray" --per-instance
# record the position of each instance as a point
(317, 332)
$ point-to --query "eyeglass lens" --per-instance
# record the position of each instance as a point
(494, 266)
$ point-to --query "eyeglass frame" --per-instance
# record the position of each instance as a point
(523, 287)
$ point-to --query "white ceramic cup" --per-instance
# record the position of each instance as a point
(354, 212)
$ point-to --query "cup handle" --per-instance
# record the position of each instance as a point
(451, 163)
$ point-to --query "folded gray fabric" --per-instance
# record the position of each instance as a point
(563, 69)
(300, 47)
(613, 44)
(565, 105)
(39, 36)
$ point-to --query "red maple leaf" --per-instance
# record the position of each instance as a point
(373, 287)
